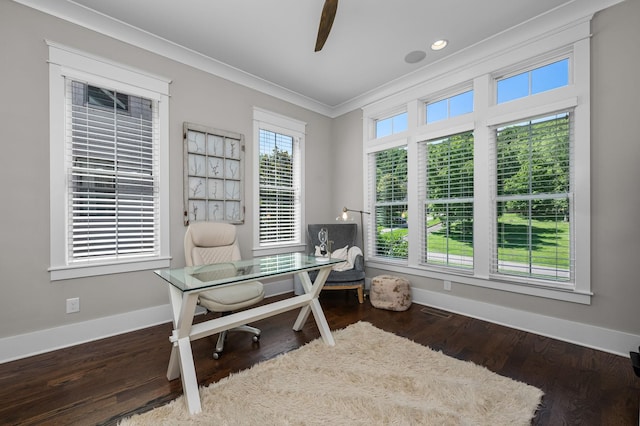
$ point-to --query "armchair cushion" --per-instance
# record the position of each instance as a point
(343, 235)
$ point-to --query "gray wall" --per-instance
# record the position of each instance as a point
(615, 184)
(333, 174)
(29, 301)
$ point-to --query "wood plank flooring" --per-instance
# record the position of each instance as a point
(103, 381)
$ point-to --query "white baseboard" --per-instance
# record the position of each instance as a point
(616, 342)
(603, 339)
(41, 341)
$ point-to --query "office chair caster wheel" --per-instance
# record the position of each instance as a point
(216, 355)
(256, 338)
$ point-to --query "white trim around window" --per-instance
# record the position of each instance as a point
(66, 62)
(572, 42)
(287, 128)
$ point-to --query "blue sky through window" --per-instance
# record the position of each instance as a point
(388, 126)
(450, 107)
(531, 82)
(535, 81)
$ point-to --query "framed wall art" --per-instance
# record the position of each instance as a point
(213, 175)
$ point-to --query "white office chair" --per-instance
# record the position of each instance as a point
(215, 242)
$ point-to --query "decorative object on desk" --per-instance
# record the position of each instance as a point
(215, 242)
(213, 175)
(323, 237)
(346, 253)
(369, 377)
(390, 292)
(349, 276)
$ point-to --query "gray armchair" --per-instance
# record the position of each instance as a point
(340, 234)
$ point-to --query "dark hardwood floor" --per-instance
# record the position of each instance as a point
(103, 381)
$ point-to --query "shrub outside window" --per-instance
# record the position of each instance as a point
(390, 210)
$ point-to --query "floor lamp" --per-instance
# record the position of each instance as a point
(345, 216)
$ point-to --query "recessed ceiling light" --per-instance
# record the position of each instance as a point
(415, 56)
(439, 44)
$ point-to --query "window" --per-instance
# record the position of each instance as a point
(112, 170)
(391, 125)
(279, 166)
(108, 157)
(390, 212)
(450, 107)
(533, 198)
(448, 201)
(499, 198)
(538, 80)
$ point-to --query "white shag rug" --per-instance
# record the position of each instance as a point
(370, 377)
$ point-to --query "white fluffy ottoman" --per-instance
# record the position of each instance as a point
(390, 292)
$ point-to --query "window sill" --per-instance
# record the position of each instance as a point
(567, 295)
(94, 269)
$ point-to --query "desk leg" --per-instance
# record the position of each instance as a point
(188, 374)
(306, 310)
(321, 321)
(314, 305)
(181, 359)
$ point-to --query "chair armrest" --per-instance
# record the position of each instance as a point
(359, 263)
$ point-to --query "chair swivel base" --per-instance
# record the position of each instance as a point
(223, 336)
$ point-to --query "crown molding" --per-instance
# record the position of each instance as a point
(564, 21)
(87, 18)
(529, 30)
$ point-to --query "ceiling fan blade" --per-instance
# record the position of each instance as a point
(326, 21)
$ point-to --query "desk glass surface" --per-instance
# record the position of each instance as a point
(192, 278)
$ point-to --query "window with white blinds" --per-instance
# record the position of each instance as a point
(447, 170)
(533, 204)
(495, 183)
(390, 204)
(279, 188)
(108, 167)
(113, 169)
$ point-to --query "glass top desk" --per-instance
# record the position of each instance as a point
(186, 283)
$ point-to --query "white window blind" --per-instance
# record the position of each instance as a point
(390, 204)
(112, 174)
(446, 165)
(533, 205)
(279, 185)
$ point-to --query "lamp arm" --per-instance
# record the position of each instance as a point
(345, 209)
(362, 213)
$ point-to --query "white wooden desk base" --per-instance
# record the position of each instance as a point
(184, 307)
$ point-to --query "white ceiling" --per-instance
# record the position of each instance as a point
(273, 40)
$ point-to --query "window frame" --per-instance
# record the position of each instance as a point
(72, 63)
(277, 123)
(447, 97)
(572, 43)
(372, 241)
(392, 118)
(531, 196)
(424, 200)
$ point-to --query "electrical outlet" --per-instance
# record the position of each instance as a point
(447, 285)
(73, 305)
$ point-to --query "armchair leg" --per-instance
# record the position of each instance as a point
(361, 294)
